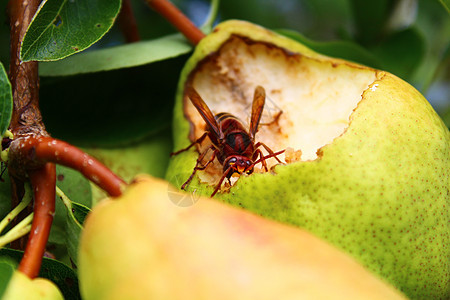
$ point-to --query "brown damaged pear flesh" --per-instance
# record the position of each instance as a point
(368, 159)
(143, 246)
(313, 113)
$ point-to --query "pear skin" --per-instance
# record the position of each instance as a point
(143, 246)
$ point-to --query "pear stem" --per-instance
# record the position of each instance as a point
(43, 181)
(177, 19)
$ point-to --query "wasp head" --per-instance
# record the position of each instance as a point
(238, 164)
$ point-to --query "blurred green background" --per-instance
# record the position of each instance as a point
(409, 38)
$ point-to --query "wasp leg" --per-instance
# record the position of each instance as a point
(225, 174)
(198, 141)
(271, 153)
(209, 161)
(262, 158)
(268, 156)
(198, 165)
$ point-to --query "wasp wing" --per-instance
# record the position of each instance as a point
(259, 99)
(204, 111)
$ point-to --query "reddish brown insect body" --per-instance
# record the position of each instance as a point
(231, 144)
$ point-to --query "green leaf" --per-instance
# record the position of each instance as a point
(370, 18)
(446, 117)
(446, 4)
(76, 214)
(63, 276)
(62, 28)
(71, 211)
(209, 23)
(5, 195)
(148, 156)
(6, 101)
(341, 49)
(118, 57)
(7, 267)
(77, 189)
(111, 109)
(402, 52)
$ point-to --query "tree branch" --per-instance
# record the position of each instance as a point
(177, 19)
(24, 77)
(40, 150)
(24, 80)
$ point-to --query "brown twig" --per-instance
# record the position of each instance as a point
(40, 150)
(177, 19)
(25, 89)
(32, 152)
(24, 77)
(127, 23)
(43, 181)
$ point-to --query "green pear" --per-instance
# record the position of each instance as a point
(143, 246)
(367, 158)
(21, 287)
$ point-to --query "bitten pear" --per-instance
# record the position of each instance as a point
(367, 158)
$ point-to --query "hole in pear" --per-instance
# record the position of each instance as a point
(316, 96)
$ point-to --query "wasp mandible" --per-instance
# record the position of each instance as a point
(232, 145)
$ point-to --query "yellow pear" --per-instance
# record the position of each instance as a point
(21, 287)
(367, 157)
(144, 246)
